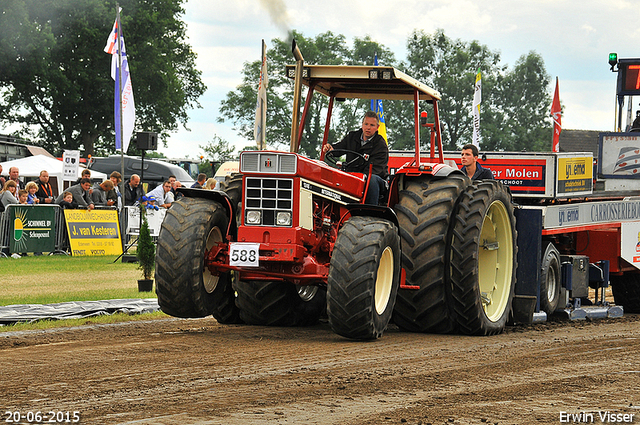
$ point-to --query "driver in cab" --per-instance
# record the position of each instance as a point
(367, 142)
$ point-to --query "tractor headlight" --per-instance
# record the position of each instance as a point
(253, 217)
(284, 218)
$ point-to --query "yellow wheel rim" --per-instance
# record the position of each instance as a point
(495, 261)
(211, 281)
(384, 280)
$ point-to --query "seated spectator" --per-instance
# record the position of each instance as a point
(23, 196)
(132, 190)
(99, 195)
(2, 180)
(211, 184)
(8, 195)
(114, 194)
(199, 184)
(67, 201)
(80, 194)
(175, 184)
(86, 174)
(45, 191)
(14, 174)
(32, 196)
(162, 194)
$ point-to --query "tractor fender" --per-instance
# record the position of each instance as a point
(218, 196)
(373, 211)
(444, 170)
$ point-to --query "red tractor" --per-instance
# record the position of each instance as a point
(290, 237)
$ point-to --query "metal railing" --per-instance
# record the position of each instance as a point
(61, 236)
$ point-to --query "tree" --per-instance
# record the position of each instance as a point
(526, 103)
(146, 251)
(218, 149)
(513, 110)
(56, 81)
(326, 49)
(450, 66)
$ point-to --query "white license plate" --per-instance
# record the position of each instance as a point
(244, 254)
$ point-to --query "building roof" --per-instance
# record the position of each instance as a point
(579, 141)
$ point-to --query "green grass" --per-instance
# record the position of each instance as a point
(67, 323)
(59, 278)
(54, 279)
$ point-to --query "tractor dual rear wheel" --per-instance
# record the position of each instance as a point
(425, 214)
(363, 278)
(185, 287)
(483, 259)
(279, 303)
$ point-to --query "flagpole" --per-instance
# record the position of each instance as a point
(262, 141)
(120, 123)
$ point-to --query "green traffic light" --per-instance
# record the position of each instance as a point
(613, 59)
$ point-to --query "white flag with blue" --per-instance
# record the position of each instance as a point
(123, 98)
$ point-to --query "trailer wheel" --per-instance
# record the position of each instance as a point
(232, 186)
(425, 210)
(278, 303)
(363, 278)
(550, 279)
(626, 291)
(185, 287)
(483, 263)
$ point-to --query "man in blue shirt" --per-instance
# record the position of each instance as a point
(470, 165)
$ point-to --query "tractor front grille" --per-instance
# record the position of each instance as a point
(269, 197)
(268, 162)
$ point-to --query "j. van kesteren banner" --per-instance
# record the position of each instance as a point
(95, 232)
(32, 228)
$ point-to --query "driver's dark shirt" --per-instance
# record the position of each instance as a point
(376, 147)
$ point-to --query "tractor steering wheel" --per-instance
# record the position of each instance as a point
(356, 164)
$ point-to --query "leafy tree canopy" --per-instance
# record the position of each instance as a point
(514, 105)
(326, 49)
(55, 76)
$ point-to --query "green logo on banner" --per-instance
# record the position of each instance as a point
(18, 229)
(33, 229)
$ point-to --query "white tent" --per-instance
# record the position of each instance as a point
(31, 166)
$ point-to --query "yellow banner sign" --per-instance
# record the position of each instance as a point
(95, 232)
(575, 174)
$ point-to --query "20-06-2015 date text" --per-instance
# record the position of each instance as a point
(49, 417)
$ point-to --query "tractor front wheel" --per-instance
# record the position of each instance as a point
(363, 278)
(185, 287)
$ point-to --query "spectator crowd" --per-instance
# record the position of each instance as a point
(87, 195)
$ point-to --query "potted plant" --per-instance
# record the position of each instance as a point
(146, 254)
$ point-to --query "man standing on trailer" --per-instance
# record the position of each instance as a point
(470, 165)
(367, 141)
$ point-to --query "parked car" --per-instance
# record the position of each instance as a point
(155, 172)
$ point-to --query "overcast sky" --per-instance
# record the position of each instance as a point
(574, 39)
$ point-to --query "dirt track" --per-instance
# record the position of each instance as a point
(199, 372)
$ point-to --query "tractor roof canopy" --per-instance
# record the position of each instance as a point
(363, 82)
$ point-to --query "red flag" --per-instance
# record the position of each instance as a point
(556, 114)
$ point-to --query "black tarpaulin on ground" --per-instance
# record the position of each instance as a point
(75, 310)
